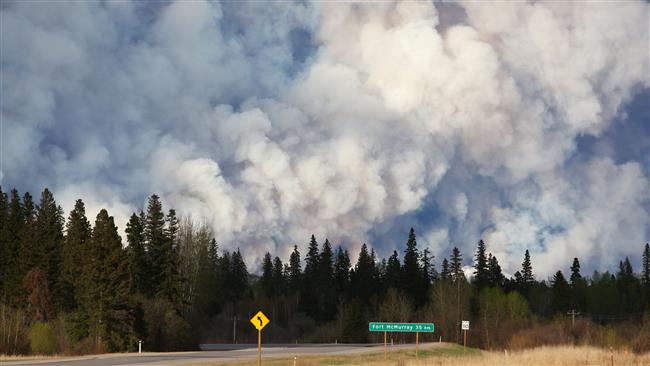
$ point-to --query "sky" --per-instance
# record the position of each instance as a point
(524, 124)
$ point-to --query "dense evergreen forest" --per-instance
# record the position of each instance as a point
(75, 286)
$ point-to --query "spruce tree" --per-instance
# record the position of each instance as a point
(155, 244)
(138, 265)
(575, 272)
(75, 244)
(411, 271)
(5, 247)
(527, 271)
(15, 270)
(481, 274)
(205, 299)
(495, 275)
(445, 273)
(428, 268)
(267, 277)
(456, 265)
(295, 271)
(28, 253)
(645, 272)
(105, 287)
(171, 285)
(363, 277)
(561, 293)
(327, 298)
(393, 272)
(342, 272)
(49, 240)
(238, 276)
(279, 281)
(310, 291)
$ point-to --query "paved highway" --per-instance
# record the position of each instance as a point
(225, 353)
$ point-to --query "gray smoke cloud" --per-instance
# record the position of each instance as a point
(348, 120)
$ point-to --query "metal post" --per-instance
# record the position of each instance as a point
(385, 347)
(259, 348)
(417, 343)
(139, 346)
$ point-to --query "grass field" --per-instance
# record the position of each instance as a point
(453, 355)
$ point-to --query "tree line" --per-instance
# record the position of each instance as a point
(73, 286)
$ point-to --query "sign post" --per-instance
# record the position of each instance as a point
(465, 327)
(259, 321)
(416, 328)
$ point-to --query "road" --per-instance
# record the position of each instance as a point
(216, 353)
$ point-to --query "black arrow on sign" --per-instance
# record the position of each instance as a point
(260, 319)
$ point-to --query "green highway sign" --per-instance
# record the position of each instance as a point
(401, 327)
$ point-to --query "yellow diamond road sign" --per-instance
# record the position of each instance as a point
(259, 320)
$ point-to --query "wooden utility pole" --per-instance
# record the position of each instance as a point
(573, 314)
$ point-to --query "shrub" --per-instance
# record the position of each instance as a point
(42, 339)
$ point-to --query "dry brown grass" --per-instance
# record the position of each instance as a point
(453, 356)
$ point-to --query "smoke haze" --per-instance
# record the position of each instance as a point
(271, 121)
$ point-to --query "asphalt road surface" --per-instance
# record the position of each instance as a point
(215, 353)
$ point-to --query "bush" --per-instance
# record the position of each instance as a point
(42, 339)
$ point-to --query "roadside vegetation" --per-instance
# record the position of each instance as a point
(75, 286)
(453, 355)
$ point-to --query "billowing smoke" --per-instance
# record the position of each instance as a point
(272, 121)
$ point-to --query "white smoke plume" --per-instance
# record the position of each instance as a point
(347, 120)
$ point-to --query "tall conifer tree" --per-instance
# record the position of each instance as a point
(74, 249)
(481, 274)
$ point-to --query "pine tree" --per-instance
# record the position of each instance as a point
(75, 244)
(456, 266)
(49, 240)
(295, 271)
(267, 277)
(138, 265)
(481, 274)
(105, 287)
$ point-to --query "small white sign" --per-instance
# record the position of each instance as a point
(464, 325)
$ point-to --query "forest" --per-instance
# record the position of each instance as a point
(72, 285)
